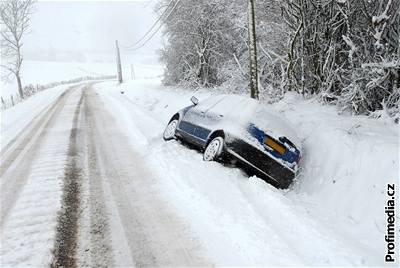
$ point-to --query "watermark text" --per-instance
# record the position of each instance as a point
(391, 227)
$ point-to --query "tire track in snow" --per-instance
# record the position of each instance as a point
(28, 232)
(67, 227)
(167, 160)
(27, 135)
(94, 246)
(151, 231)
(15, 165)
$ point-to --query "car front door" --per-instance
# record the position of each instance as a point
(195, 122)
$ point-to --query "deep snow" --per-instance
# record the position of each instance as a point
(332, 215)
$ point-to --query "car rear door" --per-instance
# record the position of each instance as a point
(212, 117)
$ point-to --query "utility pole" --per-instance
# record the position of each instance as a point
(253, 51)
(119, 69)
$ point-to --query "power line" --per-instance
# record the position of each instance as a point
(135, 46)
(145, 42)
(152, 27)
(159, 27)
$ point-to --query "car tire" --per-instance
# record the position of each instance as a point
(214, 149)
(169, 132)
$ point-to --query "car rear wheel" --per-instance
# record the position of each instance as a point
(214, 149)
(169, 132)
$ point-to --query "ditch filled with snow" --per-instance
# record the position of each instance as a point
(333, 214)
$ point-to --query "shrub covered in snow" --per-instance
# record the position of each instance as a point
(347, 52)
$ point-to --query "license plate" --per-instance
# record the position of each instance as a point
(272, 144)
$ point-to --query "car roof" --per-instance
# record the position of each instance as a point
(228, 103)
(245, 110)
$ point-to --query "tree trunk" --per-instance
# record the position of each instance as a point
(20, 91)
(253, 51)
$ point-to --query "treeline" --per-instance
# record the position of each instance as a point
(344, 51)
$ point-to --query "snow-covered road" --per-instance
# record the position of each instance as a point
(72, 162)
(32, 174)
(137, 227)
(87, 180)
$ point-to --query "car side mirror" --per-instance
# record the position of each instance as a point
(194, 100)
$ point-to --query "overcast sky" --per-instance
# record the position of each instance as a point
(62, 30)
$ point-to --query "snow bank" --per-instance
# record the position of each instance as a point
(332, 215)
(15, 119)
(348, 162)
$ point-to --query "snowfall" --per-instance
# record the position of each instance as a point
(332, 215)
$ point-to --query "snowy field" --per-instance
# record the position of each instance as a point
(333, 215)
(45, 72)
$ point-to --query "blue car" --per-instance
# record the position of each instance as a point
(241, 129)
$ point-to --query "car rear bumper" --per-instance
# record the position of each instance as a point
(261, 162)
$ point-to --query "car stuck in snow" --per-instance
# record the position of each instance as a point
(239, 128)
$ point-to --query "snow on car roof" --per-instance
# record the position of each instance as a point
(247, 111)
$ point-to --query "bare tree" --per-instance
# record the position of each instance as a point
(14, 19)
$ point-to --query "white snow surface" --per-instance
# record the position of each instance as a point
(332, 215)
(28, 231)
(45, 72)
(16, 118)
(238, 112)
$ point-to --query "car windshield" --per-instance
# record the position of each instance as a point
(209, 102)
(230, 106)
